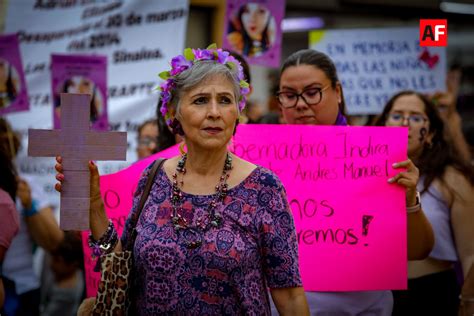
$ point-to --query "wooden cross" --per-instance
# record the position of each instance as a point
(77, 145)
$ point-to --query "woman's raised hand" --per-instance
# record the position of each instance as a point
(408, 178)
(98, 218)
(94, 178)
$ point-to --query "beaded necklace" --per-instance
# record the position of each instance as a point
(193, 234)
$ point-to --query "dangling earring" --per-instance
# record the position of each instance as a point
(176, 127)
(182, 151)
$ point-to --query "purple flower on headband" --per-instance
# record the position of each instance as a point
(164, 100)
(163, 111)
(203, 54)
(242, 104)
(244, 91)
(179, 64)
(222, 56)
(240, 75)
(231, 59)
(167, 85)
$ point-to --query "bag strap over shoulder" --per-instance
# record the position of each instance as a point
(149, 183)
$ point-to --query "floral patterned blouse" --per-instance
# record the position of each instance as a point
(254, 248)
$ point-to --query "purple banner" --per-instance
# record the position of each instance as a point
(81, 74)
(13, 93)
(253, 29)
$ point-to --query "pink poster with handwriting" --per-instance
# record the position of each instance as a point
(350, 222)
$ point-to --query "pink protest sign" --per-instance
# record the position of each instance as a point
(253, 29)
(13, 93)
(81, 74)
(77, 145)
(350, 222)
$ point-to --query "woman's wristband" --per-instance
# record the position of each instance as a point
(417, 207)
(28, 212)
(414, 209)
(106, 243)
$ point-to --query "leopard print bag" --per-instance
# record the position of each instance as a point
(113, 297)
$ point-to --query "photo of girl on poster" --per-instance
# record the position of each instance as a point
(251, 30)
(80, 84)
(9, 83)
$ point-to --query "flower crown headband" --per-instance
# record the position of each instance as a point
(183, 62)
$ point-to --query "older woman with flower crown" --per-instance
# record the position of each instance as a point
(216, 231)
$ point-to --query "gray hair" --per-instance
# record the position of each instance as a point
(198, 74)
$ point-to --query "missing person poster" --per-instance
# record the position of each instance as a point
(85, 75)
(253, 30)
(13, 93)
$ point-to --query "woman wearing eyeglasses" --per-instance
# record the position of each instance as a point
(447, 194)
(311, 93)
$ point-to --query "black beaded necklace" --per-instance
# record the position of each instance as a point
(193, 234)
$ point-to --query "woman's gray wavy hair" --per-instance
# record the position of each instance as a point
(198, 74)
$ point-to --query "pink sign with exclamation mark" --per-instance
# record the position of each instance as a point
(366, 220)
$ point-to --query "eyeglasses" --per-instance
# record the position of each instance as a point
(146, 141)
(413, 119)
(311, 96)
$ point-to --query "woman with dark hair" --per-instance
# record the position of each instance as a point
(252, 32)
(447, 194)
(311, 93)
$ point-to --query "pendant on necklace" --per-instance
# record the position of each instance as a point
(194, 244)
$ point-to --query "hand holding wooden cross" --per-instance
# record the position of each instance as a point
(77, 144)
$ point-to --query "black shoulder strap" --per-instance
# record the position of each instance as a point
(149, 182)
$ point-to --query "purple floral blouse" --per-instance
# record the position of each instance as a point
(254, 248)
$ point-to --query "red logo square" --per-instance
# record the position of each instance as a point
(433, 32)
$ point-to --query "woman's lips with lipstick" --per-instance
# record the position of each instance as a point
(213, 130)
(306, 118)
